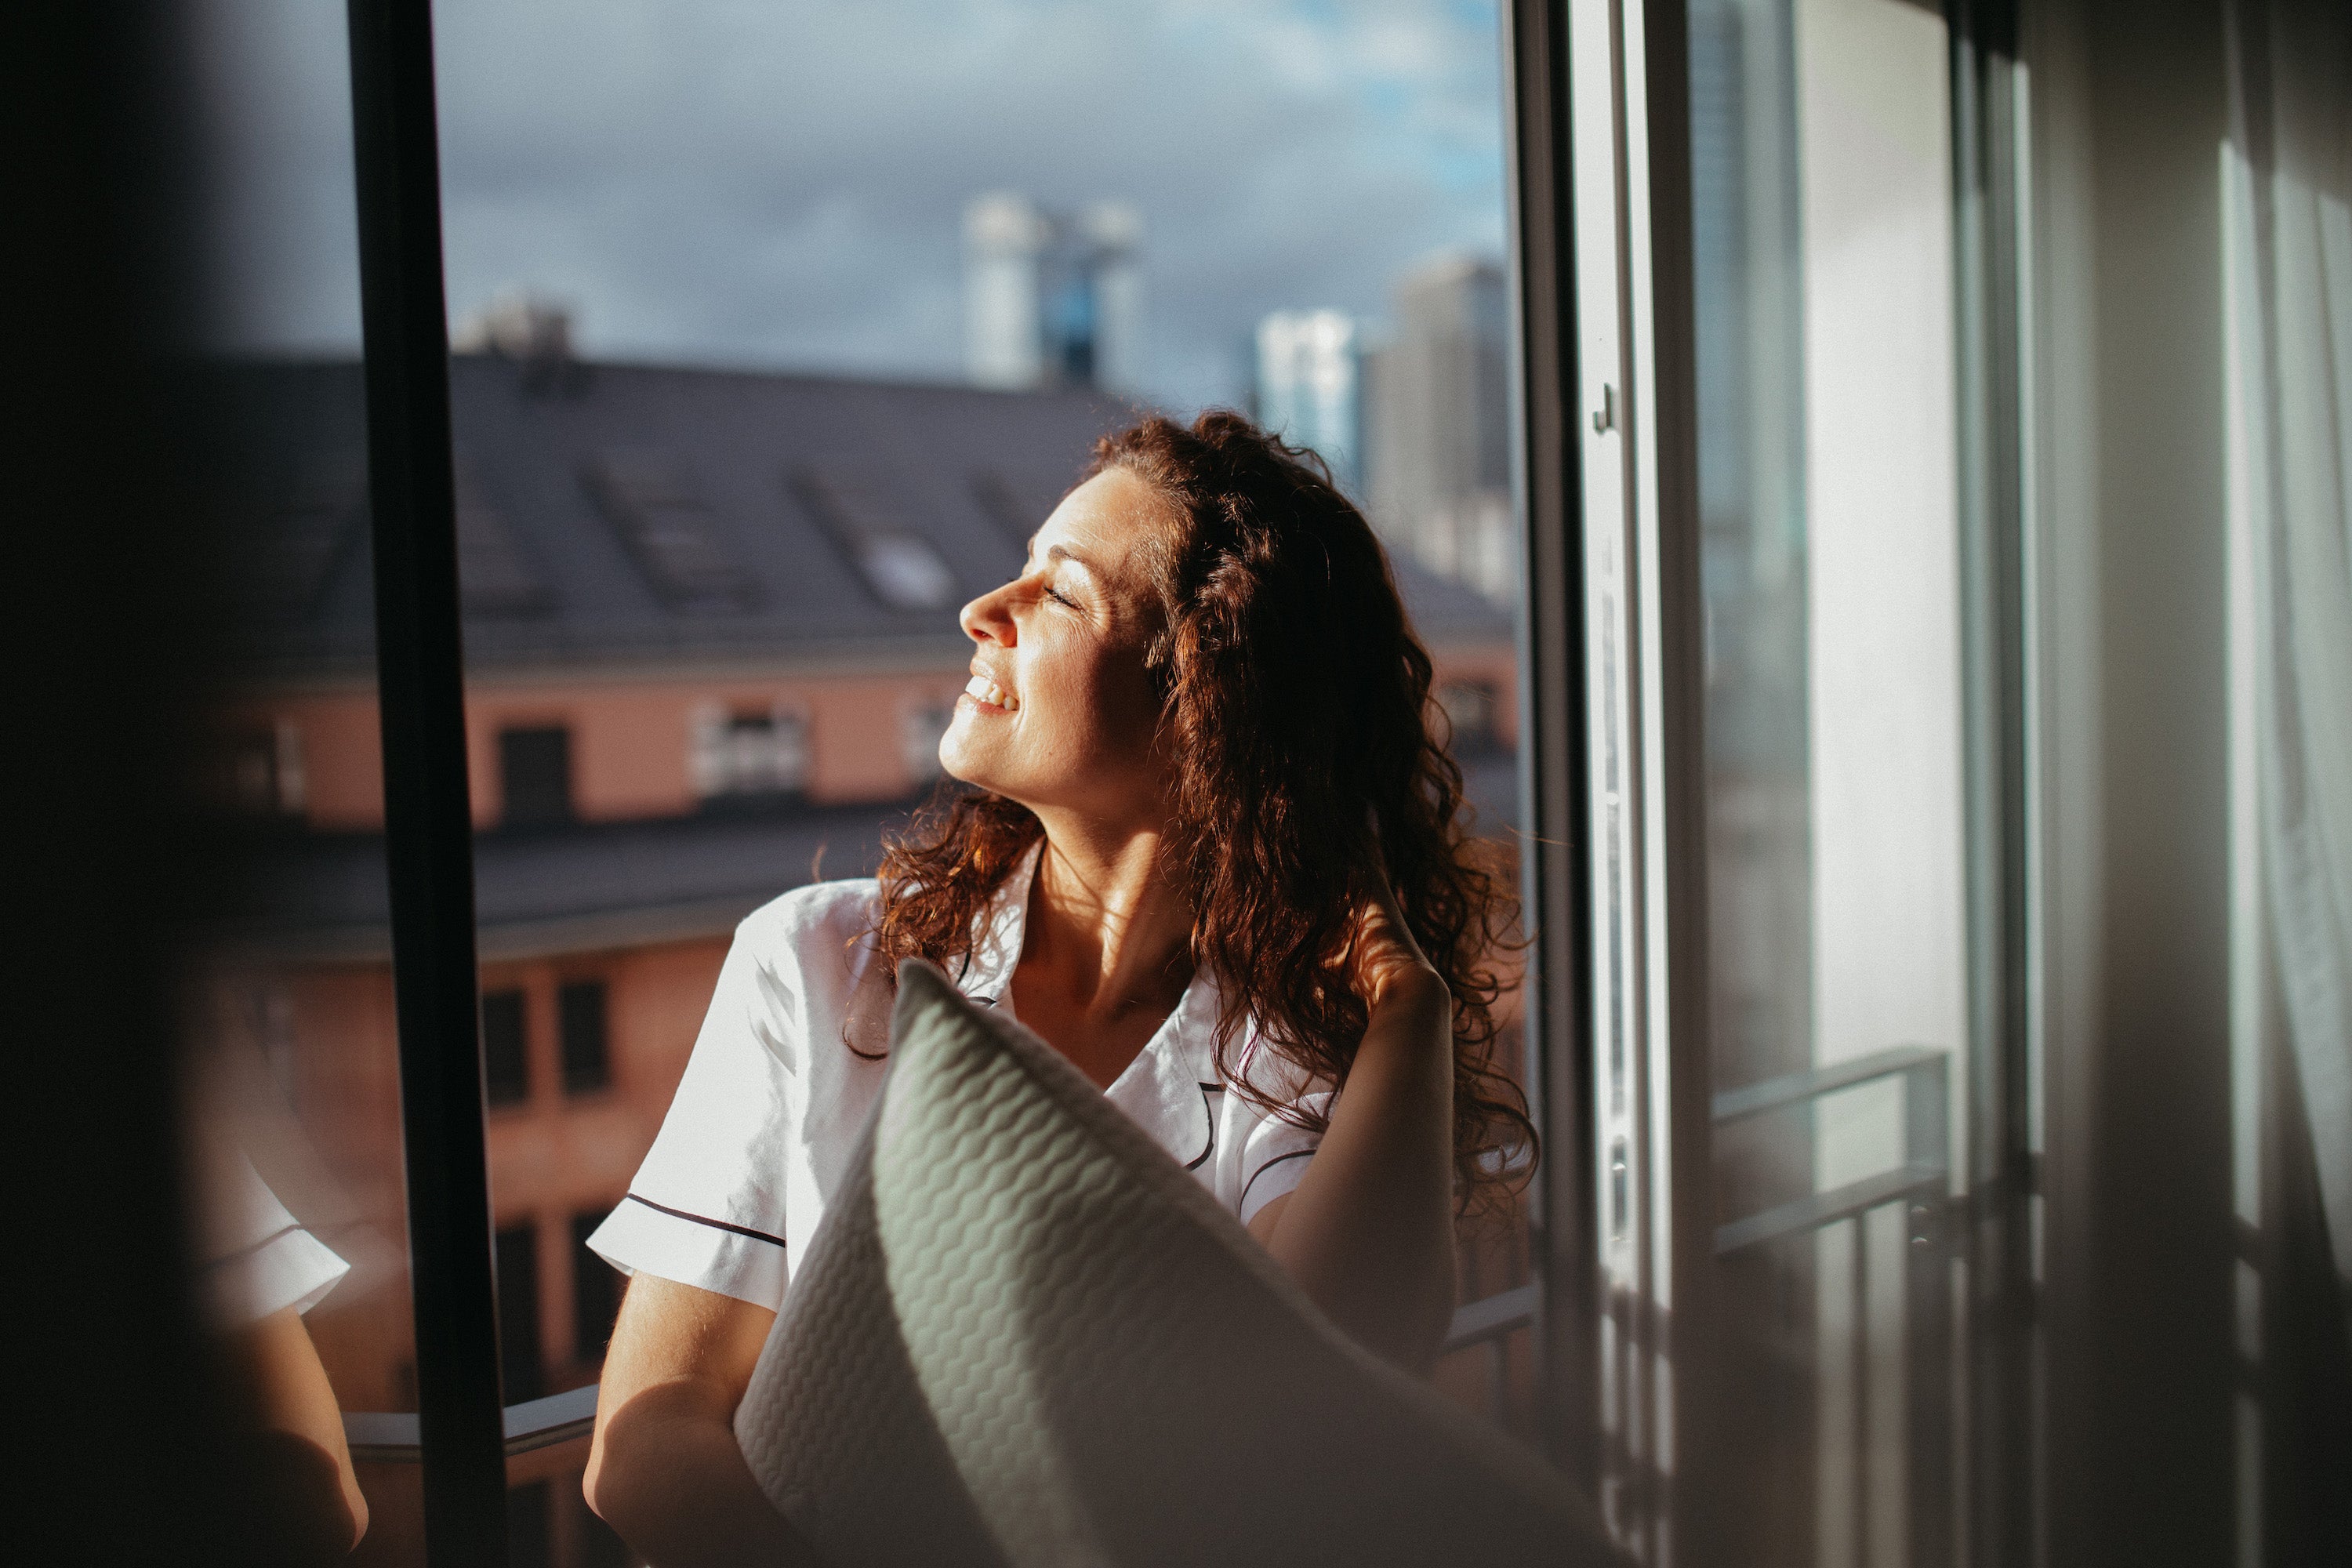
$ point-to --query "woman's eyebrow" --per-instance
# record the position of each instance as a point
(1060, 552)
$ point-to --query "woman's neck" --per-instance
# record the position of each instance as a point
(1108, 933)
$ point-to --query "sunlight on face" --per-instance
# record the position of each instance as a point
(1060, 713)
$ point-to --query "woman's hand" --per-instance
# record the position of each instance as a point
(1382, 960)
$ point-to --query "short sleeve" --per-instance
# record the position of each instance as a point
(1276, 1155)
(706, 1207)
(258, 1260)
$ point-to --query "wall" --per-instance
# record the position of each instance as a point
(631, 734)
(551, 1156)
(556, 1156)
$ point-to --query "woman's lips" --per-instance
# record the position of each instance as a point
(988, 694)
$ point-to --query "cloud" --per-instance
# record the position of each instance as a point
(781, 184)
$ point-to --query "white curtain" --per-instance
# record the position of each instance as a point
(2290, 243)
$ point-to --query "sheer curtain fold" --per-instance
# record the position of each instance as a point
(2291, 236)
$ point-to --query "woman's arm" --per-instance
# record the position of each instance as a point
(1369, 1231)
(300, 1448)
(663, 1468)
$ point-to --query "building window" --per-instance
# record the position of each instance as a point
(919, 729)
(1470, 708)
(580, 1027)
(535, 775)
(749, 755)
(596, 1293)
(506, 1058)
(517, 1255)
(265, 774)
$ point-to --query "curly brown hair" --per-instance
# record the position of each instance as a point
(1305, 755)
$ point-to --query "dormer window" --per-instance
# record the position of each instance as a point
(670, 529)
(306, 529)
(869, 520)
(495, 575)
(904, 572)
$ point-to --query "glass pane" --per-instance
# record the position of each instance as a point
(287, 995)
(2287, 274)
(776, 337)
(1823, 208)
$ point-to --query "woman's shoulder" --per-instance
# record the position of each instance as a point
(833, 914)
(1248, 1060)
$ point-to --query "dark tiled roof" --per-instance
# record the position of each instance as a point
(627, 512)
(567, 889)
(611, 885)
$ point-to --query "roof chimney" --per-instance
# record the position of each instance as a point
(533, 331)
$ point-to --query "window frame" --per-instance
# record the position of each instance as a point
(1637, 1256)
(460, 1428)
(463, 1432)
(1547, 473)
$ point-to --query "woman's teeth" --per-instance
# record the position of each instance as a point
(983, 689)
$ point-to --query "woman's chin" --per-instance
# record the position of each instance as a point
(960, 765)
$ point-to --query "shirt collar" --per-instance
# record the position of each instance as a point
(986, 974)
(1183, 1049)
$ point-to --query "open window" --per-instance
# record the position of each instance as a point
(1902, 691)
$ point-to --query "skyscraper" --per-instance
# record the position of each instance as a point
(1307, 386)
(1438, 445)
(1052, 299)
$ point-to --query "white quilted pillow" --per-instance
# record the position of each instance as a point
(1023, 1335)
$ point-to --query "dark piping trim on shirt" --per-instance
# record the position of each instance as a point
(243, 1252)
(1201, 1159)
(713, 1224)
(1262, 1170)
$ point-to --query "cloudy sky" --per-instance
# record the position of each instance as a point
(780, 184)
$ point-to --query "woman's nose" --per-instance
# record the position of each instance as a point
(985, 618)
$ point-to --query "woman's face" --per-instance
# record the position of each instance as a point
(1060, 714)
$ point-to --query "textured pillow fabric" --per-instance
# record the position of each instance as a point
(1024, 1336)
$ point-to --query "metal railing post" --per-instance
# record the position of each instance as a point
(1928, 1307)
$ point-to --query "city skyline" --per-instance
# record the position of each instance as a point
(783, 188)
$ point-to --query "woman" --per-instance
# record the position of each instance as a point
(1209, 852)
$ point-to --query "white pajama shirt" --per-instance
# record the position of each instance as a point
(773, 1100)
(256, 1259)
